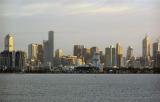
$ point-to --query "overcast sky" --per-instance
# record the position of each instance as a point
(90, 22)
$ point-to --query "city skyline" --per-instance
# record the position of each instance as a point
(97, 23)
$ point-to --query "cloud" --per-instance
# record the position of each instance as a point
(63, 8)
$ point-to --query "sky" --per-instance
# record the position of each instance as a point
(89, 22)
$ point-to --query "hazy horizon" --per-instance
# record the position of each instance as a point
(89, 22)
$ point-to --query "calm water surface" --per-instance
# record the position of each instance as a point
(79, 88)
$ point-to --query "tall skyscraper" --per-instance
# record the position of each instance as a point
(9, 43)
(156, 48)
(156, 53)
(146, 52)
(51, 45)
(110, 56)
(78, 51)
(49, 48)
(119, 55)
(129, 53)
(20, 59)
(146, 47)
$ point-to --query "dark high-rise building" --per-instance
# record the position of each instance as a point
(48, 49)
(8, 59)
(156, 52)
(20, 59)
(78, 51)
(110, 57)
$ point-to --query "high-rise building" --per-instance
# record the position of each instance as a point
(146, 52)
(129, 53)
(20, 60)
(119, 55)
(35, 53)
(78, 51)
(87, 55)
(156, 52)
(32, 51)
(51, 45)
(9, 43)
(59, 53)
(146, 47)
(94, 50)
(48, 49)
(110, 57)
(45, 52)
(156, 48)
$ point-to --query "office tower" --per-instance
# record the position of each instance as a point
(119, 55)
(35, 53)
(59, 53)
(146, 52)
(9, 43)
(129, 53)
(20, 60)
(110, 57)
(146, 47)
(87, 55)
(48, 49)
(156, 51)
(78, 51)
(32, 51)
(51, 46)
(94, 50)
(40, 53)
(8, 59)
(96, 60)
(45, 50)
(102, 56)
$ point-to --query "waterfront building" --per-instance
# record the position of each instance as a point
(9, 43)
(48, 49)
(94, 50)
(156, 51)
(59, 53)
(78, 51)
(110, 57)
(96, 60)
(119, 55)
(20, 60)
(146, 52)
(7, 59)
(129, 53)
(35, 53)
(87, 55)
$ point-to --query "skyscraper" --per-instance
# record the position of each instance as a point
(129, 53)
(156, 53)
(32, 51)
(35, 53)
(20, 59)
(9, 43)
(48, 48)
(94, 50)
(51, 45)
(146, 47)
(78, 51)
(146, 52)
(156, 48)
(119, 55)
(110, 56)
